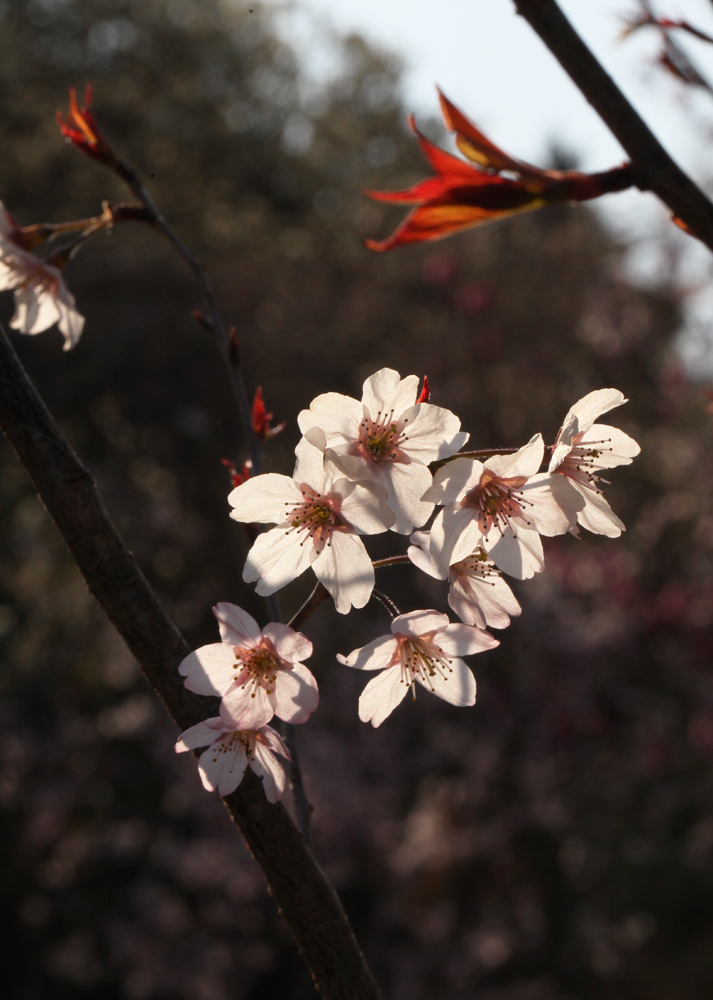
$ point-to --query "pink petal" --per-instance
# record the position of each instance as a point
(417, 623)
(223, 770)
(554, 503)
(339, 417)
(616, 447)
(381, 695)
(433, 433)
(201, 735)
(296, 694)
(210, 670)
(597, 516)
(273, 741)
(271, 771)
(290, 646)
(236, 626)
(275, 559)
(517, 555)
(457, 688)
(247, 707)
(374, 656)
(464, 640)
(345, 569)
(386, 390)
(264, 499)
(524, 462)
(453, 480)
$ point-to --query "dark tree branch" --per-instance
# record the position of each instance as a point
(305, 898)
(654, 169)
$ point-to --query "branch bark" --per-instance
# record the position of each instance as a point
(305, 898)
(654, 169)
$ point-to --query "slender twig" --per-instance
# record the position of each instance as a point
(306, 899)
(390, 561)
(654, 169)
(384, 599)
(318, 596)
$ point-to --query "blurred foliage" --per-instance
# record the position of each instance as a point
(554, 842)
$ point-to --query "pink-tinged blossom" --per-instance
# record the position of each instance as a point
(583, 448)
(425, 648)
(389, 438)
(320, 515)
(41, 296)
(231, 749)
(503, 505)
(257, 672)
(478, 594)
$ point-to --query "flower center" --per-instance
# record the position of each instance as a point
(422, 660)
(380, 439)
(228, 743)
(497, 502)
(477, 566)
(258, 668)
(581, 463)
(315, 517)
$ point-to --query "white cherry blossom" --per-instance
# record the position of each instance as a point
(390, 438)
(503, 505)
(424, 647)
(583, 448)
(41, 295)
(478, 594)
(231, 749)
(320, 515)
(258, 672)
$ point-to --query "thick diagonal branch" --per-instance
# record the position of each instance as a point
(306, 899)
(654, 169)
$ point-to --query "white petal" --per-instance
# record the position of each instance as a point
(201, 735)
(524, 462)
(554, 503)
(266, 499)
(291, 646)
(453, 480)
(223, 770)
(273, 741)
(272, 772)
(236, 626)
(418, 623)
(247, 707)
(518, 555)
(276, 558)
(464, 640)
(376, 655)
(363, 507)
(345, 569)
(597, 516)
(381, 695)
(454, 535)
(580, 417)
(432, 433)
(488, 602)
(406, 485)
(386, 391)
(339, 417)
(617, 448)
(71, 322)
(457, 688)
(296, 693)
(210, 670)
(309, 467)
(420, 556)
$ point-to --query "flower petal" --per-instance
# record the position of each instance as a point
(276, 558)
(247, 706)
(290, 646)
(419, 554)
(223, 765)
(417, 623)
(454, 535)
(386, 390)
(296, 694)
(364, 508)
(381, 695)
(453, 480)
(309, 467)
(519, 555)
(271, 770)
(345, 569)
(236, 626)
(376, 655)
(201, 735)
(266, 499)
(464, 640)
(617, 448)
(432, 433)
(554, 503)
(483, 603)
(525, 462)
(597, 516)
(339, 417)
(457, 687)
(406, 485)
(209, 670)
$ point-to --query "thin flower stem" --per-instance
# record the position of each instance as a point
(390, 561)
(386, 601)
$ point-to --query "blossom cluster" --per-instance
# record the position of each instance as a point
(385, 463)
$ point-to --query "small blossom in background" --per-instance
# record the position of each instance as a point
(503, 505)
(231, 749)
(463, 195)
(41, 295)
(237, 478)
(425, 648)
(389, 437)
(583, 448)
(478, 594)
(257, 672)
(320, 515)
(261, 419)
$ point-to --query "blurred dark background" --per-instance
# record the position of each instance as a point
(554, 842)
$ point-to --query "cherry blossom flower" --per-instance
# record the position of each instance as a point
(583, 448)
(390, 438)
(320, 515)
(425, 648)
(478, 594)
(41, 296)
(258, 673)
(231, 749)
(503, 505)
